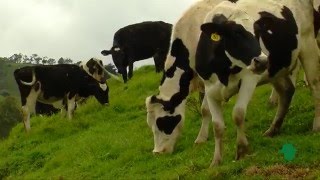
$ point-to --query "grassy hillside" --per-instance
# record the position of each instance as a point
(7, 82)
(115, 142)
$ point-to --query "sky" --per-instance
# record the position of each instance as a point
(76, 29)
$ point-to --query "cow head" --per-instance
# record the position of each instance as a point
(241, 46)
(166, 127)
(119, 60)
(165, 111)
(102, 93)
(94, 68)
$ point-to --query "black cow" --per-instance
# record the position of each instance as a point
(60, 85)
(137, 42)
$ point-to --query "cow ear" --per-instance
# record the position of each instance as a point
(213, 30)
(105, 52)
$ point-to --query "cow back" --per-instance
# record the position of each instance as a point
(142, 40)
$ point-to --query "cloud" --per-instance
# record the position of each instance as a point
(76, 29)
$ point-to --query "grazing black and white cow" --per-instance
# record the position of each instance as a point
(93, 66)
(241, 46)
(60, 85)
(137, 42)
(166, 110)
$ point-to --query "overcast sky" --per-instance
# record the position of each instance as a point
(76, 29)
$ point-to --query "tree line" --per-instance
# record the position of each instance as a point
(20, 58)
(36, 59)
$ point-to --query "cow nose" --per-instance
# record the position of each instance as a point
(157, 152)
(106, 104)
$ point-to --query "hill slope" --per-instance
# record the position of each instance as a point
(7, 82)
(115, 142)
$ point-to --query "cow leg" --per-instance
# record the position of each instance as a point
(29, 106)
(206, 116)
(130, 70)
(218, 124)
(159, 59)
(310, 60)
(63, 106)
(125, 75)
(248, 85)
(71, 106)
(273, 99)
(218, 127)
(285, 89)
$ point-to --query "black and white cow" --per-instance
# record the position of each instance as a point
(93, 66)
(60, 85)
(166, 110)
(241, 46)
(137, 42)
(273, 99)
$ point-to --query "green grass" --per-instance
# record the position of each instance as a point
(115, 142)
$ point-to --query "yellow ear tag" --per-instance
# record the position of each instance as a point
(215, 37)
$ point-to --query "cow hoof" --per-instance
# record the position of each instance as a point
(316, 125)
(242, 151)
(200, 140)
(215, 162)
(316, 129)
(270, 132)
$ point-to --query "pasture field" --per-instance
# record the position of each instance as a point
(115, 142)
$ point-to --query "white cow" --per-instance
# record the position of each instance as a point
(238, 42)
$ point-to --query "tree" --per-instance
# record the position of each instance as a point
(37, 59)
(16, 58)
(4, 58)
(68, 61)
(61, 61)
(64, 61)
(44, 60)
(111, 68)
(51, 61)
(26, 59)
(32, 58)
(10, 115)
(2, 69)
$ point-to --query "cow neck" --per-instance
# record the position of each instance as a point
(175, 83)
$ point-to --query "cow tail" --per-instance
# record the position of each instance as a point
(32, 82)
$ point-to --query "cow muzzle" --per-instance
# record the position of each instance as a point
(258, 65)
(165, 150)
